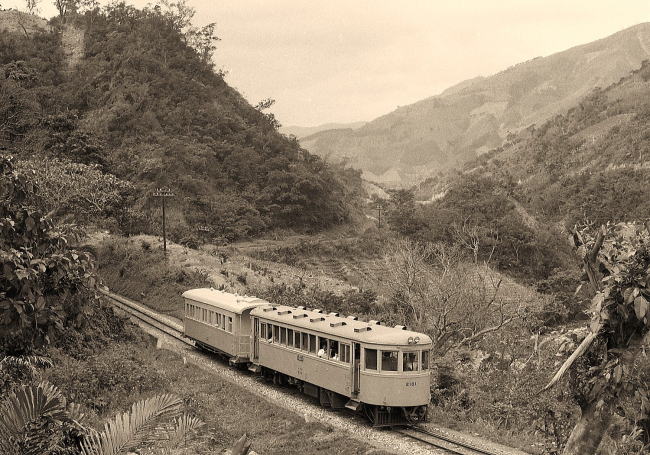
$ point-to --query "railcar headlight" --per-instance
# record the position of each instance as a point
(416, 340)
(410, 340)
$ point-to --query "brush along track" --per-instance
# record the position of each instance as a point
(443, 442)
(175, 330)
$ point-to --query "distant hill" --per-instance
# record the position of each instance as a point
(304, 131)
(135, 93)
(593, 163)
(444, 131)
(15, 21)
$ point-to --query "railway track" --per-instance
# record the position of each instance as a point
(428, 437)
(440, 441)
(147, 316)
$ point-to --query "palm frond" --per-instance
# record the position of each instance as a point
(135, 427)
(183, 429)
(27, 361)
(23, 408)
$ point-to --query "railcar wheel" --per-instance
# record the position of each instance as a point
(370, 413)
(415, 414)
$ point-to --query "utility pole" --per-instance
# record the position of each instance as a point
(163, 193)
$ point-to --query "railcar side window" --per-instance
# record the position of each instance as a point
(283, 335)
(269, 334)
(263, 331)
(410, 361)
(304, 341)
(345, 352)
(425, 360)
(276, 334)
(298, 340)
(290, 338)
(229, 329)
(389, 360)
(312, 344)
(334, 350)
(371, 359)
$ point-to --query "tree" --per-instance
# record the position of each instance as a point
(74, 188)
(32, 5)
(616, 262)
(66, 7)
(44, 283)
(436, 290)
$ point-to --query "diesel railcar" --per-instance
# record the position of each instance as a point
(341, 361)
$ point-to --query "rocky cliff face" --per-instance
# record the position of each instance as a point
(466, 120)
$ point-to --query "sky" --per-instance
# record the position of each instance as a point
(351, 60)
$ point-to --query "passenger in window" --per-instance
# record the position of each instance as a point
(322, 352)
(334, 350)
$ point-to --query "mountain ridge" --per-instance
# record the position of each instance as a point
(443, 131)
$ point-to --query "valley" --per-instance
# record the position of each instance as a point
(505, 218)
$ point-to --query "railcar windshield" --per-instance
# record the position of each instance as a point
(425, 360)
(410, 361)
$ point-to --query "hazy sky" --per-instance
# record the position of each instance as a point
(348, 60)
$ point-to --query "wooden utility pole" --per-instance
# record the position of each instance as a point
(163, 193)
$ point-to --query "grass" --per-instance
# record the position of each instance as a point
(123, 372)
(146, 275)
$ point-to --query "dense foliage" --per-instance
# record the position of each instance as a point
(45, 284)
(145, 105)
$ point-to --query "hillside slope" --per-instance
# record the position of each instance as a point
(303, 131)
(591, 164)
(135, 93)
(474, 116)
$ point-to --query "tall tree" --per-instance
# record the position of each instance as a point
(616, 262)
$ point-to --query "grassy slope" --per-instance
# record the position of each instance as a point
(125, 371)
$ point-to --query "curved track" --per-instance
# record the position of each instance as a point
(431, 438)
(443, 442)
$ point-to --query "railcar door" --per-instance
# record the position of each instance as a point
(356, 368)
(256, 339)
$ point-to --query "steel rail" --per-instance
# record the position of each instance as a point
(443, 442)
(152, 319)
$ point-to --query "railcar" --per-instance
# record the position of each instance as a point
(220, 322)
(345, 363)
(367, 367)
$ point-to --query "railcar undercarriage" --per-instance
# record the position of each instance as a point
(378, 416)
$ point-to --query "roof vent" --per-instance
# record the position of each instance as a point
(373, 322)
(301, 307)
(298, 316)
(338, 324)
(333, 314)
(400, 327)
(283, 312)
(271, 308)
(354, 318)
(362, 329)
(317, 319)
(317, 310)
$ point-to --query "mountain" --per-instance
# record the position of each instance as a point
(303, 131)
(446, 130)
(133, 94)
(590, 164)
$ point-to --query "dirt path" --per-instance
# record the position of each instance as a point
(72, 41)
